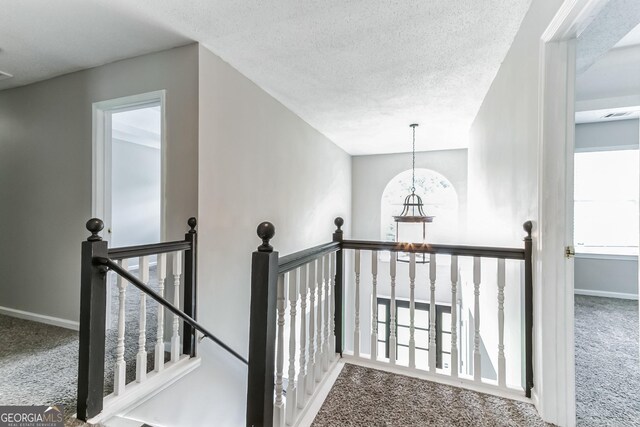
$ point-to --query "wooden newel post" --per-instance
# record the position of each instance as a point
(339, 287)
(528, 307)
(189, 342)
(262, 332)
(93, 296)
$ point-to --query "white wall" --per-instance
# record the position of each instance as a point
(45, 171)
(371, 174)
(503, 174)
(135, 193)
(258, 161)
(607, 275)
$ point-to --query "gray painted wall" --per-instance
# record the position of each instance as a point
(45, 171)
(607, 135)
(607, 276)
(258, 161)
(603, 276)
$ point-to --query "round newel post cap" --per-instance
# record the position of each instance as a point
(339, 222)
(192, 223)
(528, 226)
(95, 226)
(266, 231)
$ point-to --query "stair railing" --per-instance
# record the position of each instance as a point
(97, 260)
(311, 283)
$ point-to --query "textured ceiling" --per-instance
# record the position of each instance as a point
(616, 19)
(358, 71)
(40, 39)
(631, 39)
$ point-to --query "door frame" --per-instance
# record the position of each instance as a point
(101, 161)
(554, 349)
(101, 153)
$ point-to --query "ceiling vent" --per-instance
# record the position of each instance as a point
(616, 115)
(4, 76)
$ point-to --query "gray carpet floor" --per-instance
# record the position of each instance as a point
(607, 365)
(368, 397)
(39, 363)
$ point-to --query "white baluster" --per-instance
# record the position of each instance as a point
(392, 321)
(432, 314)
(332, 336)
(278, 410)
(454, 316)
(356, 331)
(291, 376)
(302, 373)
(327, 297)
(311, 382)
(141, 358)
(175, 336)
(502, 369)
(412, 310)
(161, 271)
(477, 362)
(319, 346)
(374, 305)
(119, 377)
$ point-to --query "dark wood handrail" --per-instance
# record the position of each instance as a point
(267, 266)
(151, 249)
(172, 308)
(480, 251)
(297, 259)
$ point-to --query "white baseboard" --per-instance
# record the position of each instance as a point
(41, 318)
(605, 294)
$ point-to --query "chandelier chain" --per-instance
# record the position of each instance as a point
(413, 169)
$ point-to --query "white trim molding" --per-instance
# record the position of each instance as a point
(40, 318)
(554, 365)
(138, 393)
(605, 294)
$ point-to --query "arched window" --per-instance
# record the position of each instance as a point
(440, 201)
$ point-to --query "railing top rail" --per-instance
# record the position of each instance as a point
(150, 292)
(151, 249)
(480, 251)
(297, 259)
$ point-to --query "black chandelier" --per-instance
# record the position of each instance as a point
(412, 212)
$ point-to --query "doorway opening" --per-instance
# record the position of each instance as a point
(606, 217)
(128, 171)
(128, 175)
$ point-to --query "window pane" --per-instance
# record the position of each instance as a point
(422, 359)
(403, 316)
(606, 202)
(381, 350)
(382, 312)
(403, 335)
(421, 319)
(382, 331)
(446, 342)
(403, 355)
(446, 361)
(440, 200)
(446, 322)
(422, 338)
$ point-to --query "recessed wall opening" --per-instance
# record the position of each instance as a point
(606, 224)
